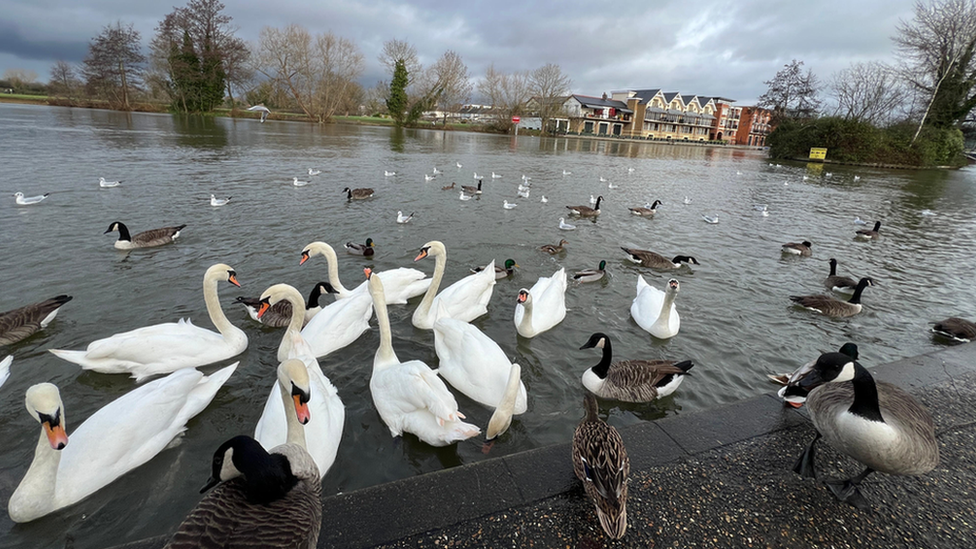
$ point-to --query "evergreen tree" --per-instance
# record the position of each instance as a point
(397, 102)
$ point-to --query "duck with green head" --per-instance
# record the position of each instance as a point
(591, 275)
(500, 272)
(361, 249)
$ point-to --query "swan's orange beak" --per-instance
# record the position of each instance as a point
(522, 296)
(56, 435)
(304, 257)
(263, 308)
(421, 255)
(368, 272)
(301, 408)
(233, 280)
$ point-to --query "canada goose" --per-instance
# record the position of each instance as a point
(19, 198)
(586, 211)
(470, 189)
(794, 395)
(361, 249)
(145, 239)
(801, 249)
(553, 249)
(646, 211)
(830, 306)
(357, 194)
(877, 424)
(631, 380)
(262, 109)
(19, 324)
(279, 314)
(600, 462)
(448, 187)
(955, 328)
(658, 261)
(262, 499)
(500, 272)
(872, 234)
(591, 275)
(839, 284)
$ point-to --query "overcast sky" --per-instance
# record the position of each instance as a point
(703, 47)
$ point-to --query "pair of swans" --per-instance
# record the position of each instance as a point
(654, 310)
(409, 396)
(465, 300)
(165, 348)
(543, 306)
(119, 437)
(300, 377)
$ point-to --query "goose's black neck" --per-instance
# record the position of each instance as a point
(598, 200)
(123, 231)
(603, 367)
(865, 395)
(268, 479)
(856, 298)
(833, 268)
(313, 297)
(877, 226)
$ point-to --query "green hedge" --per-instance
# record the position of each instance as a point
(862, 143)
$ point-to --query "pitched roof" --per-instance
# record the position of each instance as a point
(669, 96)
(687, 99)
(588, 101)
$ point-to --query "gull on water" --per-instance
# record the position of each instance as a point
(544, 199)
(26, 201)
(106, 184)
(428, 177)
(611, 186)
(630, 170)
(458, 165)
(567, 172)
(265, 111)
(464, 196)
(524, 194)
(713, 219)
(507, 205)
(312, 171)
(927, 212)
(495, 175)
(687, 200)
(214, 201)
(603, 179)
(592, 199)
(404, 218)
(566, 226)
(298, 183)
(523, 187)
(859, 221)
(436, 171)
(525, 177)
(476, 176)
(388, 173)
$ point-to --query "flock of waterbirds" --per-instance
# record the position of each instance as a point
(296, 439)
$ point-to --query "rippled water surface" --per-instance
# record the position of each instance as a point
(736, 320)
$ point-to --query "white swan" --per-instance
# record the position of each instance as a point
(164, 348)
(473, 363)
(654, 310)
(119, 437)
(543, 306)
(401, 283)
(409, 396)
(5, 368)
(501, 419)
(320, 434)
(466, 299)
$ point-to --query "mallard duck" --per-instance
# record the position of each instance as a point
(955, 328)
(657, 261)
(647, 210)
(877, 424)
(600, 462)
(361, 249)
(145, 239)
(839, 284)
(19, 324)
(357, 194)
(448, 187)
(586, 211)
(470, 189)
(631, 380)
(798, 248)
(553, 249)
(500, 272)
(830, 306)
(591, 275)
(869, 234)
(794, 395)
(279, 314)
(262, 499)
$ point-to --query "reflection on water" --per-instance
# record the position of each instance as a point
(736, 320)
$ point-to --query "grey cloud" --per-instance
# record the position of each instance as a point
(12, 41)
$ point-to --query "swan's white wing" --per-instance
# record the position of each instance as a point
(147, 344)
(402, 284)
(646, 307)
(338, 324)
(5, 368)
(468, 298)
(549, 306)
(473, 363)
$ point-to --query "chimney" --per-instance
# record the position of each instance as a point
(604, 96)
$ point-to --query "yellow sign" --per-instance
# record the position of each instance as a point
(818, 153)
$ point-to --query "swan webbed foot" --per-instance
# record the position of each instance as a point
(804, 465)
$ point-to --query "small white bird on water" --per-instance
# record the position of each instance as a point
(476, 176)
(388, 173)
(428, 177)
(857, 178)
(566, 226)
(567, 172)
(214, 201)
(525, 177)
(107, 184)
(507, 205)
(458, 165)
(495, 175)
(312, 171)
(611, 186)
(603, 179)
(436, 171)
(464, 196)
(524, 194)
(404, 218)
(523, 187)
(592, 199)
(26, 201)
(687, 200)
(630, 170)
(927, 212)
(265, 111)
(544, 199)
(713, 219)
(859, 221)
(298, 183)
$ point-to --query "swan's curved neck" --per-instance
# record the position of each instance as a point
(217, 315)
(603, 367)
(664, 317)
(295, 430)
(440, 263)
(384, 354)
(292, 342)
(333, 263)
(36, 494)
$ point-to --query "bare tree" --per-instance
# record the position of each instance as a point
(400, 50)
(19, 78)
(445, 83)
(937, 52)
(114, 66)
(549, 86)
(508, 94)
(375, 99)
(63, 80)
(791, 93)
(316, 72)
(868, 92)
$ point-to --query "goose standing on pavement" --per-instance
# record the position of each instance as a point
(145, 239)
(878, 424)
(631, 380)
(801, 249)
(600, 462)
(586, 211)
(830, 306)
(794, 395)
(357, 194)
(262, 499)
(21, 323)
(869, 234)
(657, 261)
(837, 283)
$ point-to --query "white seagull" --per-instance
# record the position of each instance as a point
(312, 171)
(859, 221)
(388, 173)
(592, 199)
(458, 165)
(214, 201)
(25, 201)
(566, 226)
(428, 177)
(298, 183)
(476, 176)
(107, 184)
(713, 219)
(567, 172)
(603, 179)
(525, 177)
(508, 206)
(630, 170)
(265, 111)
(687, 200)
(495, 175)
(404, 218)
(464, 196)
(524, 194)
(611, 186)
(436, 171)
(544, 199)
